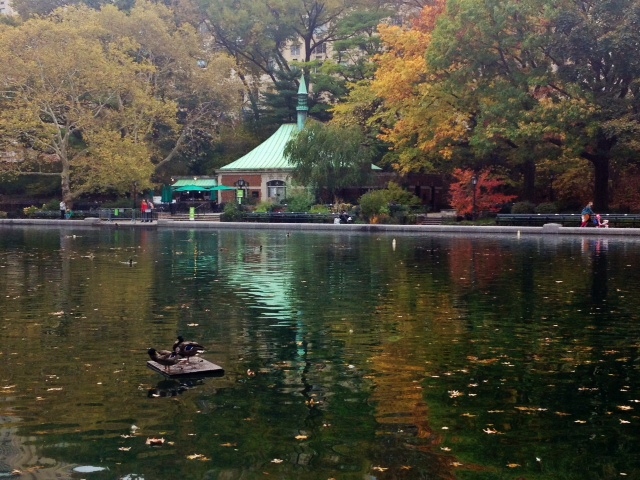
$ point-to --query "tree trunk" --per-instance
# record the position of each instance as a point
(600, 156)
(601, 183)
(529, 180)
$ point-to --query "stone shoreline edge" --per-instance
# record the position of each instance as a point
(162, 224)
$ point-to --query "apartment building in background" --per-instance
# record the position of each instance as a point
(5, 8)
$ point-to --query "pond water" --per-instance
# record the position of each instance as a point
(346, 356)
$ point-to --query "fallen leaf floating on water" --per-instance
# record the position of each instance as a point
(198, 456)
(624, 421)
(57, 314)
(470, 415)
(513, 465)
(54, 389)
(455, 393)
(625, 407)
(301, 437)
(277, 460)
(531, 409)
(580, 421)
(17, 472)
(456, 464)
(380, 469)
(155, 442)
(405, 467)
(124, 449)
(491, 431)
(228, 444)
(445, 449)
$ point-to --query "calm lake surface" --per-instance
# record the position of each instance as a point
(346, 356)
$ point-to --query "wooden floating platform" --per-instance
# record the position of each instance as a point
(196, 367)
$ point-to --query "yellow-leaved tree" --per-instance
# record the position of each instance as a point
(106, 98)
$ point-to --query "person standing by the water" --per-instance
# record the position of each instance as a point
(63, 210)
(150, 207)
(143, 209)
(587, 213)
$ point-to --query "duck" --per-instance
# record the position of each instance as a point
(164, 357)
(187, 349)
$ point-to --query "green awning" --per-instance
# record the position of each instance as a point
(191, 188)
(198, 182)
(220, 188)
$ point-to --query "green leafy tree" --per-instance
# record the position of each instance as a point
(92, 97)
(329, 157)
(552, 78)
(258, 46)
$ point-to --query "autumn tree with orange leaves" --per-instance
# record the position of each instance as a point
(488, 197)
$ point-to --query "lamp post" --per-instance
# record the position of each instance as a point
(241, 183)
(474, 182)
(135, 193)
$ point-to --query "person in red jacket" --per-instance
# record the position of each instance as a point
(144, 208)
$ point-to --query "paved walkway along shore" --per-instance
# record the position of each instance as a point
(548, 229)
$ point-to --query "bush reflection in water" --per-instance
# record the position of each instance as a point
(346, 355)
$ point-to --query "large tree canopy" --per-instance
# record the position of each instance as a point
(329, 157)
(516, 84)
(107, 98)
(545, 79)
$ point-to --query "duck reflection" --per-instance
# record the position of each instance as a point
(173, 388)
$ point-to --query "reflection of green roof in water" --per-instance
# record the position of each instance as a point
(264, 287)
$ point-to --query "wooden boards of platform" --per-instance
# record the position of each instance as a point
(196, 367)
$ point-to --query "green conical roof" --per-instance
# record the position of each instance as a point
(268, 155)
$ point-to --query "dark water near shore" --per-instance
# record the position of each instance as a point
(347, 356)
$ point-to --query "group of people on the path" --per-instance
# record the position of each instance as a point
(146, 209)
(588, 215)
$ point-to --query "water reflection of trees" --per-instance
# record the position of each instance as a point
(350, 340)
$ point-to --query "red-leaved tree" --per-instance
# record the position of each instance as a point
(487, 196)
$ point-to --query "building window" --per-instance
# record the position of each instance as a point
(276, 190)
(295, 49)
(320, 49)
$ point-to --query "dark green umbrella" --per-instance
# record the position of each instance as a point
(166, 194)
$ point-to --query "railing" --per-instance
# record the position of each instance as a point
(619, 220)
(288, 217)
(129, 214)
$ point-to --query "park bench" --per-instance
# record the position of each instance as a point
(619, 220)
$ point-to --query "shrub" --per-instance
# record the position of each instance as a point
(232, 212)
(300, 202)
(547, 208)
(51, 205)
(320, 209)
(523, 207)
(265, 207)
(30, 211)
(373, 203)
(391, 205)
